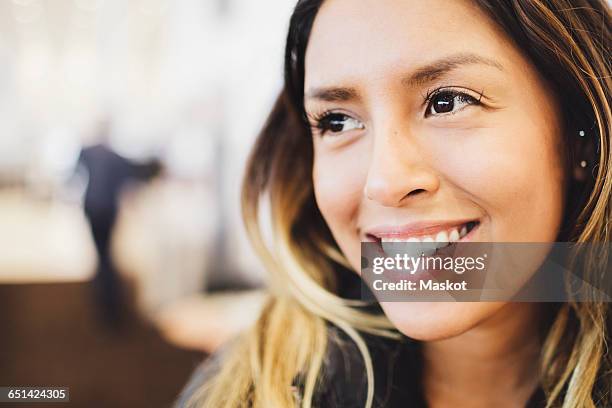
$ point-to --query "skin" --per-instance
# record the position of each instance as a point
(394, 162)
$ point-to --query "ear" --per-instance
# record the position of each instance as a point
(583, 159)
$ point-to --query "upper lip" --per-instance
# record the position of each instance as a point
(417, 229)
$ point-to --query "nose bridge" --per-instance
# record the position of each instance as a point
(390, 153)
(399, 167)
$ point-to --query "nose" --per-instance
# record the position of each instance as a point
(399, 172)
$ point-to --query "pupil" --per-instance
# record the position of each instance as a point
(444, 103)
(337, 124)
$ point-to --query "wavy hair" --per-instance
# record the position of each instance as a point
(568, 42)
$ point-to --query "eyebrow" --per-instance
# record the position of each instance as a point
(436, 69)
(333, 94)
(420, 76)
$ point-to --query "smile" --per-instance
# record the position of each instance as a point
(440, 234)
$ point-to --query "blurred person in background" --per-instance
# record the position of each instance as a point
(108, 175)
(406, 115)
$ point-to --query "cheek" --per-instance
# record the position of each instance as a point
(514, 172)
(338, 180)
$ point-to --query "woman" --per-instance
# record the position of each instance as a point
(403, 120)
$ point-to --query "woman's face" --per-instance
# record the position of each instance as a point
(425, 118)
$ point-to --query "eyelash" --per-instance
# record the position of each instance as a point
(318, 120)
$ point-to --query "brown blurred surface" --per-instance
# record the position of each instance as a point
(50, 336)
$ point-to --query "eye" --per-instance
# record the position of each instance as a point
(337, 123)
(444, 102)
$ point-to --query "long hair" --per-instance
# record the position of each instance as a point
(568, 42)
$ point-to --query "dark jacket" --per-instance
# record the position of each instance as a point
(397, 365)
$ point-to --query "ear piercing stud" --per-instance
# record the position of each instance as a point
(583, 163)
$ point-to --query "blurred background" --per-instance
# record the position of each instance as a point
(125, 127)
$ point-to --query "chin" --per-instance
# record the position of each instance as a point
(431, 321)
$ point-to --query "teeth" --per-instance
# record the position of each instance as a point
(392, 240)
(395, 246)
(429, 246)
(391, 248)
(441, 240)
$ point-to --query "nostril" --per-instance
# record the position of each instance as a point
(415, 192)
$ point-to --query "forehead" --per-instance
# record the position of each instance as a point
(370, 39)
